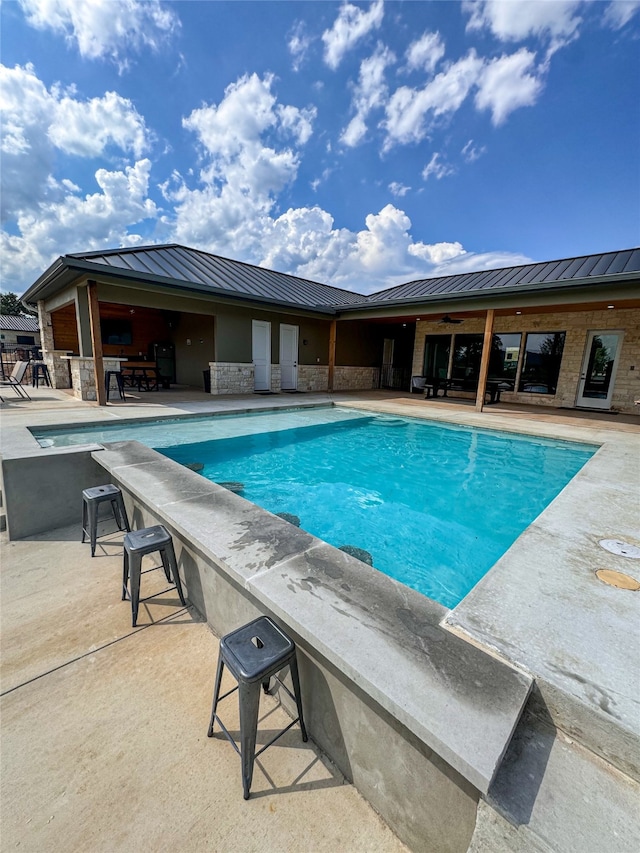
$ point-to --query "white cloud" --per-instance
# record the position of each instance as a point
(507, 83)
(398, 190)
(370, 92)
(474, 261)
(408, 108)
(381, 255)
(299, 44)
(619, 12)
(36, 121)
(471, 152)
(87, 128)
(101, 220)
(351, 25)
(515, 20)
(437, 168)
(436, 253)
(104, 28)
(426, 52)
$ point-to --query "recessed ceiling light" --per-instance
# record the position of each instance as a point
(611, 306)
(518, 312)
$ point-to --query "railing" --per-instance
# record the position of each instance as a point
(11, 353)
(396, 378)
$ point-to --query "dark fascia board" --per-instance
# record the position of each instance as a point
(67, 268)
(487, 294)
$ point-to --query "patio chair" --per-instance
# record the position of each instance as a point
(15, 380)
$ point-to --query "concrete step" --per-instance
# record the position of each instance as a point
(551, 794)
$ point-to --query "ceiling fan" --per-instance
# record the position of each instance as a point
(449, 321)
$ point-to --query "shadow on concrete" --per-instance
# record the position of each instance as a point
(515, 788)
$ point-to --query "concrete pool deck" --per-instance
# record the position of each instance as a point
(540, 608)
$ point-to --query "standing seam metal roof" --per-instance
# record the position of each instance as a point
(180, 264)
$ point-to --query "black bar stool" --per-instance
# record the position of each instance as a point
(91, 498)
(40, 371)
(119, 382)
(146, 541)
(253, 654)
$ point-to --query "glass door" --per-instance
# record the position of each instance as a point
(599, 369)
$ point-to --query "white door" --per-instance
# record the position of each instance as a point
(289, 357)
(261, 346)
(599, 369)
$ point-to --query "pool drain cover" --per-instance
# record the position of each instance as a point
(617, 579)
(620, 549)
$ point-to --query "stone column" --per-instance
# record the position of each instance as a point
(57, 365)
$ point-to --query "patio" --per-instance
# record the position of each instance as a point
(104, 744)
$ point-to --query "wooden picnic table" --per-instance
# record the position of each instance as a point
(142, 375)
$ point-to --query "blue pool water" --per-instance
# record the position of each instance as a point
(435, 505)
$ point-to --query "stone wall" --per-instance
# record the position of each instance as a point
(82, 372)
(57, 365)
(577, 325)
(313, 377)
(356, 378)
(231, 377)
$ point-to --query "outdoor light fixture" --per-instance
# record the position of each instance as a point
(518, 312)
(611, 306)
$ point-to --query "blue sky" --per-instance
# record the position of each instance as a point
(358, 144)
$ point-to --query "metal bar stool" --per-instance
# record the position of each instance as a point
(146, 541)
(40, 371)
(253, 654)
(119, 382)
(91, 498)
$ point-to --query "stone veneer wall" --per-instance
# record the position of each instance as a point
(577, 325)
(83, 377)
(313, 377)
(276, 376)
(231, 377)
(356, 378)
(57, 365)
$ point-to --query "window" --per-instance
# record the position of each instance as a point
(541, 363)
(467, 353)
(436, 356)
(116, 332)
(27, 340)
(503, 361)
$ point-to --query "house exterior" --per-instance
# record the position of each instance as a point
(21, 330)
(562, 333)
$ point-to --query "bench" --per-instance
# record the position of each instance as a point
(433, 385)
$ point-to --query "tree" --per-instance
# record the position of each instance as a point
(10, 304)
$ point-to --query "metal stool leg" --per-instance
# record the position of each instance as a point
(249, 695)
(173, 566)
(135, 569)
(293, 668)
(125, 575)
(120, 513)
(84, 519)
(216, 695)
(93, 526)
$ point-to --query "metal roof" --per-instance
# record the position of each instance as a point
(192, 266)
(19, 323)
(191, 269)
(529, 277)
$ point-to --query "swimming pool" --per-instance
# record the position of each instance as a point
(434, 505)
